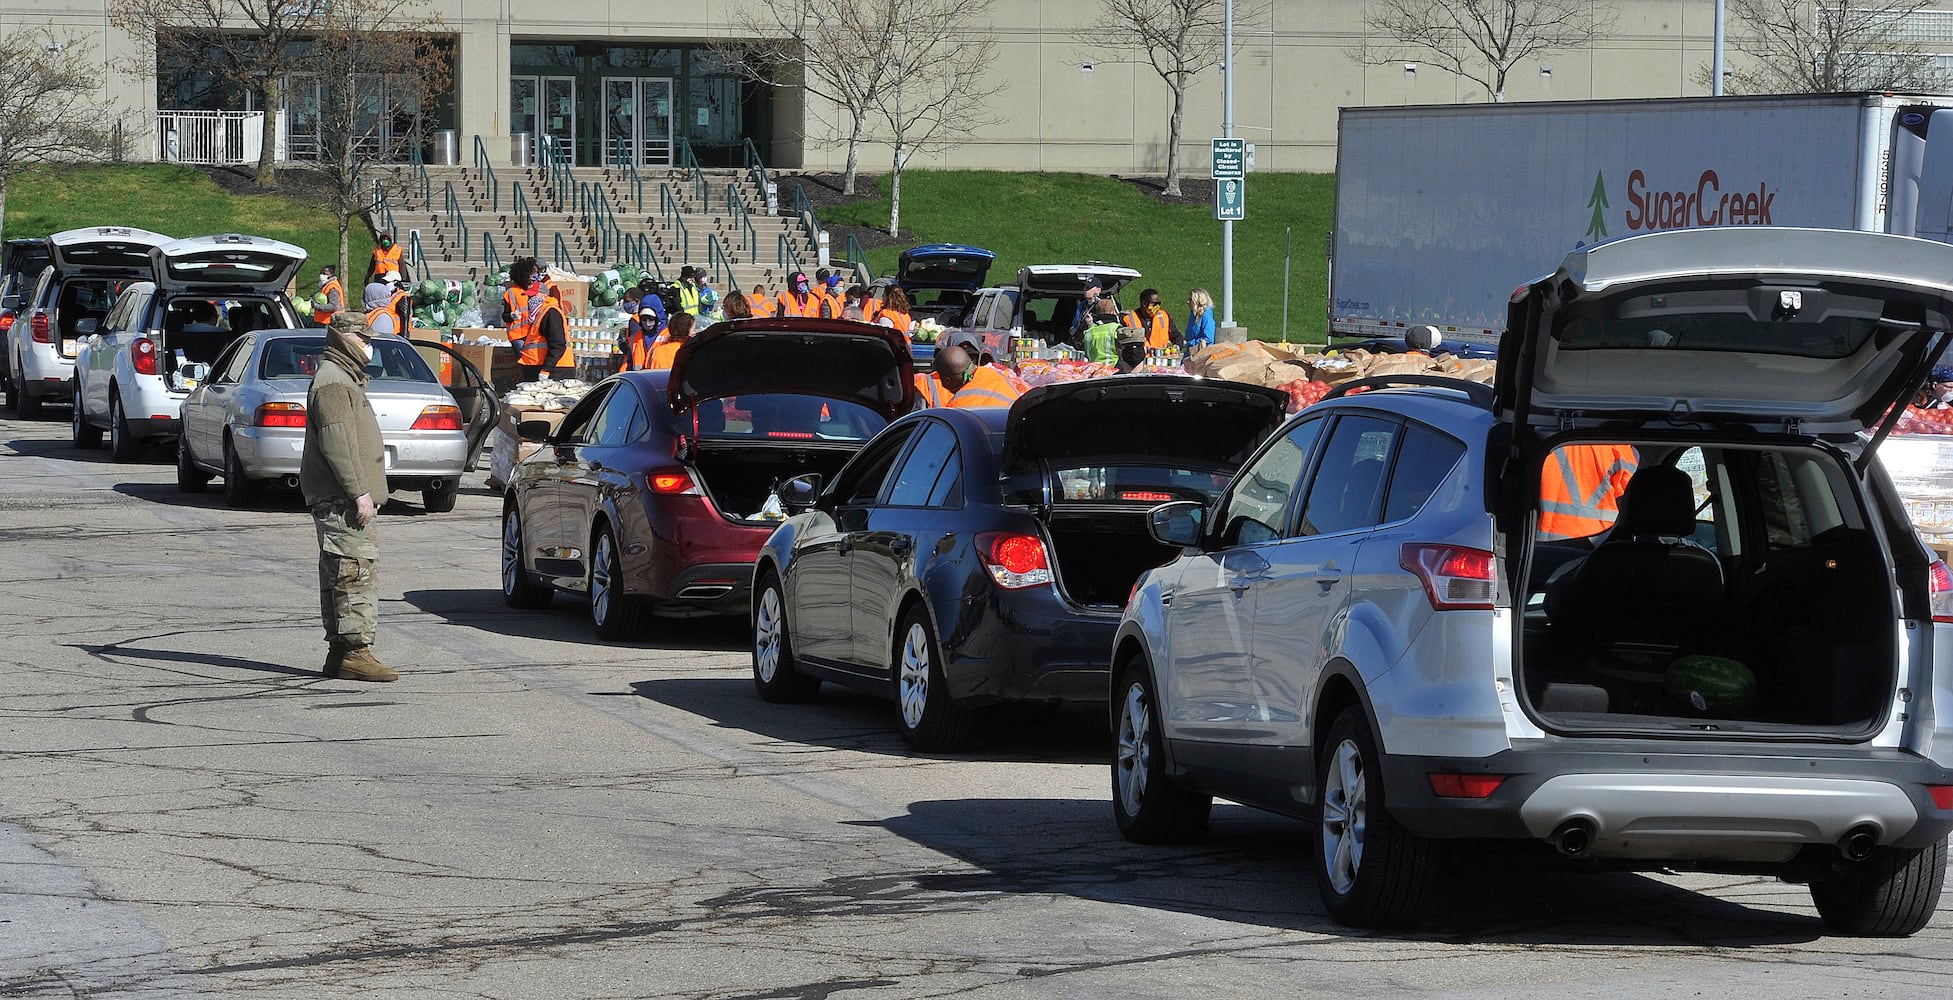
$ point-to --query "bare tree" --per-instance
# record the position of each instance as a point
(1480, 40)
(250, 44)
(1797, 47)
(49, 110)
(832, 48)
(940, 55)
(378, 63)
(1179, 39)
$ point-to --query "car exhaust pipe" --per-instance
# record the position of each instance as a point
(436, 483)
(1858, 842)
(291, 482)
(1574, 837)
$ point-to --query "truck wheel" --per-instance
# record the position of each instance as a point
(1370, 871)
(1893, 893)
(1147, 805)
(123, 446)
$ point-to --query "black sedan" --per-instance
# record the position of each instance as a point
(971, 556)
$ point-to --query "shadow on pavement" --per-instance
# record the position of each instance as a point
(62, 449)
(844, 719)
(200, 659)
(271, 498)
(1255, 868)
(568, 620)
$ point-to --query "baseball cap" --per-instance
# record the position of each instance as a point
(833, 281)
(688, 271)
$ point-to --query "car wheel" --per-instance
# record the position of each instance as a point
(775, 676)
(1893, 893)
(440, 501)
(1370, 871)
(28, 404)
(518, 591)
(931, 721)
(12, 385)
(616, 614)
(1149, 807)
(239, 490)
(190, 478)
(87, 437)
(123, 446)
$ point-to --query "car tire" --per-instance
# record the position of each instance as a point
(27, 404)
(12, 386)
(776, 676)
(518, 591)
(87, 437)
(930, 720)
(123, 446)
(190, 478)
(1893, 893)
(1148, 806)
(239, 489)
(1371, 872)
(440, 501)
(615, 614)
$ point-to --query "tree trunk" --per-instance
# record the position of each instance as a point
(895, 195)
(356, 292)
(1179, 88)
(273, 93)
(854, 150)
(3, 206)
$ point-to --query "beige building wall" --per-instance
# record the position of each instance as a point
(1292, 76)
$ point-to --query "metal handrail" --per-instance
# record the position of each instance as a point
(490, 256)
(755, 169)
(520, 207)
(487, 170)
(788, 259)
(647, 254)
(627, 165)
(416, 257)
(382, 210)
(420, 174)
(855, 254)
(452, 205)
(719, 262)
(701, 188)
(804, 209)
(562, 256)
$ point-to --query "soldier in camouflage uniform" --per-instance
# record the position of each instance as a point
(343, 475)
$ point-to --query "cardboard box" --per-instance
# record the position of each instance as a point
(576, 294)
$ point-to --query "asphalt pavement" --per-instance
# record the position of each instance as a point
(187, 809)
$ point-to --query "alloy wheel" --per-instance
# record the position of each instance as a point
(1134, 755)
(1344, 816)
(914, 676)
(511, 552)
(602, 587)
(766, 635)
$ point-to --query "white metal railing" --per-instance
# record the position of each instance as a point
(209, 137)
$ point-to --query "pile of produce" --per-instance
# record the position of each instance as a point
(610, 285)
(547, 394)
(1307, 378)
(926, 331)
(444, 305)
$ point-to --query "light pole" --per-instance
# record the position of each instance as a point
(1227, 131)
(1715, 73)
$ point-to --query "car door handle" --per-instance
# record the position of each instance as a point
(1239, 584)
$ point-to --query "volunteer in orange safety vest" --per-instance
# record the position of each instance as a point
(930, 390)
(640, 339)
(971, 384)
(1580, 488)
(676, 334)
(1150, 318)
(386, 257)
(331, 293)
(798, 299)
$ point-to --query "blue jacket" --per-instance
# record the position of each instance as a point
(1200, 329)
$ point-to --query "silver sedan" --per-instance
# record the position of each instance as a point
(245, 420)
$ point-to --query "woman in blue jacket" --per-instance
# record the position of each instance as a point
(1200, 319)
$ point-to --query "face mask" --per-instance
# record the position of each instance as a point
(800, 287)
(364, 349)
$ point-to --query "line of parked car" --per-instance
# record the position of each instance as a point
(1347, 616)
(195, 342)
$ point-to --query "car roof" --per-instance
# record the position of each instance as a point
(1449, 410)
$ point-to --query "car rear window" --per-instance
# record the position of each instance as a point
(298, 357)
(1793, 322)
(785, 417)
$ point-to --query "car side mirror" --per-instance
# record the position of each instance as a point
(535, 431)
(1177, 524)
(799, 493)
(86, 327)
(195, 372)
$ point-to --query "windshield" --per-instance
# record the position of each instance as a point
(785, 417)
(298, 357)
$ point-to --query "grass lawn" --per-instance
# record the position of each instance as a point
(1046, 218)
(177, 201)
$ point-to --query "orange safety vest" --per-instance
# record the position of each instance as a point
(903, 321)
(567, 359)
(929, 389)
(662, 354)
(522, 330)
(1580, 488)
(323, 316)
(761, 307)
(638, 348)
(1157, 336)
(812, 305)
(404, 318)
(386, 260)
(987, 387)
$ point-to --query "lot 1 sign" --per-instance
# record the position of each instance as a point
(1230, 179)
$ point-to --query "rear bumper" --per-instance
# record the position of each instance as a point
(1733, 803)
(425, 453)
(266, 452)
(1029, 645)
(45, 374)
(709, 589)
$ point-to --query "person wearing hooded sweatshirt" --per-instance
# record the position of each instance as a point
(343, 474)
(380, 314)
(799, 299)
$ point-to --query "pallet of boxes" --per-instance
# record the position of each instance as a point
(548, 400)
(1308, 375)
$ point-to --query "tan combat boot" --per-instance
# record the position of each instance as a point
(359, 664)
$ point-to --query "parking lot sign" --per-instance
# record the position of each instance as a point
(1230, 159)
(1231, 200)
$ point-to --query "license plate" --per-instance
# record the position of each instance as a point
(70, 348)
(389, 458)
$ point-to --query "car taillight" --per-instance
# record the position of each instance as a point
(1146, 495)
(1942, 592)
(1465, 786)
(671, 483)
(1942, 796)
(6, 321)
(41, 334)
(1455, 578)
(281, 415)
(1015, 561)
(142, 354)
(441, 417)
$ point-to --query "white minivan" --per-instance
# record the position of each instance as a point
(132, 374)
(87, 271)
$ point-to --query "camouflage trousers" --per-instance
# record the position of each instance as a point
(349, 573)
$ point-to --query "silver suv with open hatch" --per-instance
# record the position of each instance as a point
(1744, 674)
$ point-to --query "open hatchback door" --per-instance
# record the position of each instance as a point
(230, 262)
(114, 251)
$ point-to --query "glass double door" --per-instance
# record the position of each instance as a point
(545, 107)
(637, 121)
